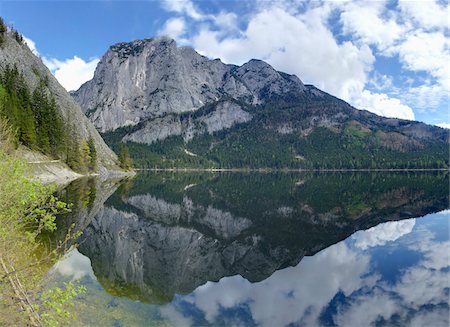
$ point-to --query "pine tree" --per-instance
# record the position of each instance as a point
(56, 132)
(3, 30)
(42, 117)
(73, 153)
(93, 154)
(27, 125)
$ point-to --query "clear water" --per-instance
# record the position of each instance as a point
(235, 249)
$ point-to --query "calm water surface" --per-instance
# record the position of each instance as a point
(234, 249)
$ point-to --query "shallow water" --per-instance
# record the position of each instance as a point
(236, 249)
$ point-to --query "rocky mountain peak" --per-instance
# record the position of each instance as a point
(137, 47)
(145, 79)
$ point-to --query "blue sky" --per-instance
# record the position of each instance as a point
(388, 56)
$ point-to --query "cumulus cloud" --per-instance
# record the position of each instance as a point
(415, 33)
(226, 20)
(426, 13)
(425, 51)
(363, 21)
(71, 73)
(381, 104)
(183, 7)
(174, 28)
(444, 125)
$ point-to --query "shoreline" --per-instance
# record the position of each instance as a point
(286, 170)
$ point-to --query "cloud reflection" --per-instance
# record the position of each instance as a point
(74, 265)
(340, 284)
(381, 234)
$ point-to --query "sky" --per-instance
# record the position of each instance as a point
(390, 57)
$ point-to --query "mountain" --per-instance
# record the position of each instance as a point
(174, 107)
(46, 116)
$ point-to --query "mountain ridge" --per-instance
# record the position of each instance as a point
(154, 95)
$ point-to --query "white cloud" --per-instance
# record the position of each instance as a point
(71, 73)
(444, 125)
(424, 51)
(183, 7)
(381, 104)
(174, 28)
(426, 13)
(426, 97)
(31, 45)
(226, 20)
(362, 20)
(417, 32)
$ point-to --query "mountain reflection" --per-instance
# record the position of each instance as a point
(169, 233)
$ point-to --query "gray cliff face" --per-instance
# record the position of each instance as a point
(225, 115)
(150, 78)
(34, 70)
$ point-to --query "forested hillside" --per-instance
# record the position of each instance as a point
(308, 135)
(41, 113)
(34, 115)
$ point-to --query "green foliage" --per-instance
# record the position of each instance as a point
(93, 154)
(36, 118)
(15, 106)
(18, 37)
(28, 210)
(57, 302)
(3, 30)
(7, 136)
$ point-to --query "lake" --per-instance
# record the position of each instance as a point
(260, 249)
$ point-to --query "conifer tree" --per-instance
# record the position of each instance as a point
(55, 132)
(42, 118)
(93, 154)
(73, 153)
(3, 30)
